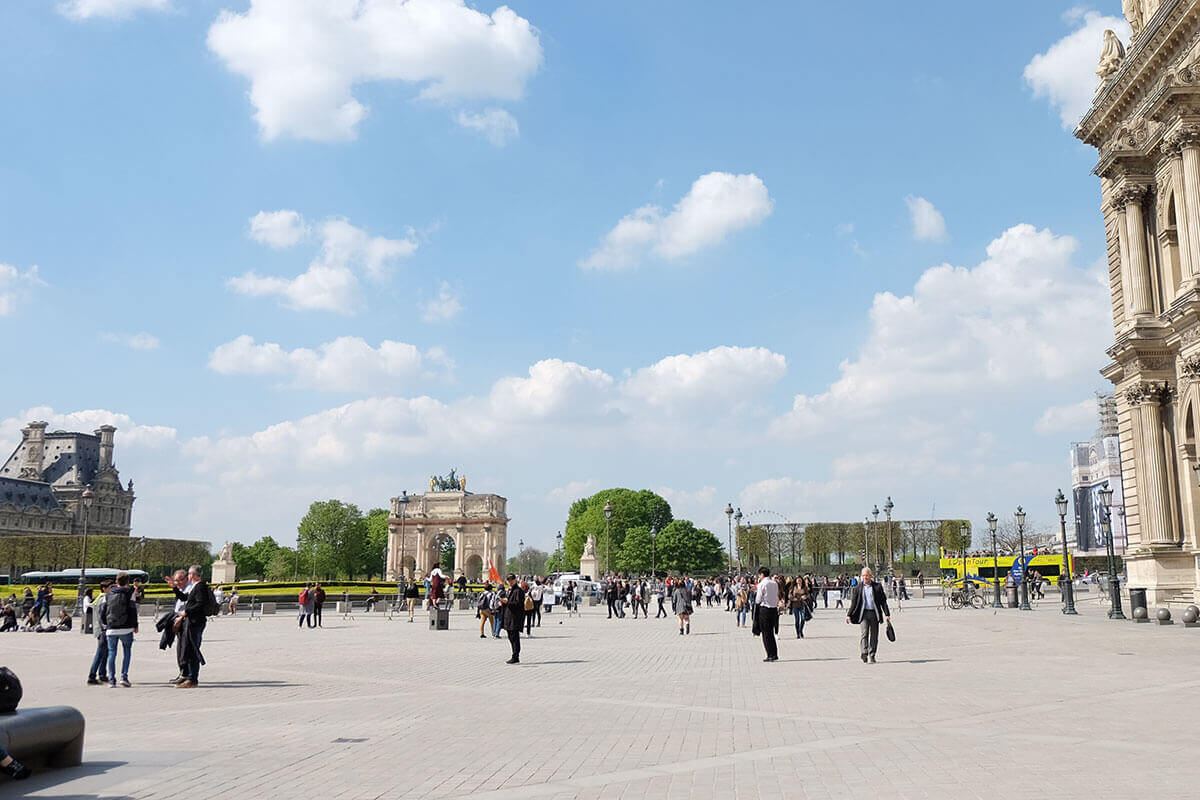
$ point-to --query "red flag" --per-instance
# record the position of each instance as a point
(493, 575)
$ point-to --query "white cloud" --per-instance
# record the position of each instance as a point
(928, 225)
(15, 286)
(575, 490)
(721, 376)
(278, 229)
(128, 433)
(1076, 418)
(446, 306)
(331, 281)
(110, 9)
(1066, 73)
(553, 388)
(303, 58)
(346, 364)
(135, 341)
(718, 204)
(495, 124)
(1023, 317)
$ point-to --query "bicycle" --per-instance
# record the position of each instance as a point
(966, 596)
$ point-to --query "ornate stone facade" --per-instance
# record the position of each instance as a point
(1145, 125)
(478, 524)
(42, 482)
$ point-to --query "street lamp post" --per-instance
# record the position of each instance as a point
(1020, 515)
(737, 518)
(87, 512)
(991, 521)
(1114, 583)
(520, 555)
(562, 554)
(887, 508)
(729, 519)
(875, 531)
(607, 537)
(403, 514)
(1068, 588)
(962, 539)
(653, 552)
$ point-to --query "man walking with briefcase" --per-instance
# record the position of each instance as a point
(868, 603)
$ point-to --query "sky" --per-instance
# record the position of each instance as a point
(797, 257)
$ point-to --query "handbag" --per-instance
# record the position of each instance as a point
(756, 628)
(891, 632)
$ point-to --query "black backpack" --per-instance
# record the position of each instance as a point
(10, 690)
(211, 609)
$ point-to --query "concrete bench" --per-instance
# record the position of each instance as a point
(344, 607)
(44, 737)
(267, 608)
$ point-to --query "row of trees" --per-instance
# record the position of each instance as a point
(335, 541)
(20, 554)
(826, 543)
(676, 545)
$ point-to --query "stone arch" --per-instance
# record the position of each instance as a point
(433, 554)
(474, 568)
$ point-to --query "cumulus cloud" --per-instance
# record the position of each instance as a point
(1076, 418)
(346, 364)
(110, 9)
(552, 388)
(15, 286)
(134, 341)
(495, 124)
(128, 432)
(1066, 73)
(304, 58)
(721, 376)
(717, 205)
(331, 281)
(1024, 316)
(278, 229)
(928, 224)
(446, 306)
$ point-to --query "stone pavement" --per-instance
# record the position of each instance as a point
(966, 703)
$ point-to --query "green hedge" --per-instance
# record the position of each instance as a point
(20, 554)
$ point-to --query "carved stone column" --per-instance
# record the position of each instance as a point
(1188, 258)
(460, 550)
(1141, 301)
(1145, 401)
(1118, 209)
(487, 547)
(1188, 141)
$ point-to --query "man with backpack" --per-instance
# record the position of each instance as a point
(199, 605)
(119, 616)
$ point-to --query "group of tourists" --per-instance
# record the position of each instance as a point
(311, 602)
(115, 621)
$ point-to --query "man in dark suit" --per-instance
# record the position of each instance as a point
(195, 596)
(512, 601)
(868, 602)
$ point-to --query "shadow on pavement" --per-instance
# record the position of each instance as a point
(46, 779)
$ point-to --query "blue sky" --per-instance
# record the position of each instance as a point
(808, 170)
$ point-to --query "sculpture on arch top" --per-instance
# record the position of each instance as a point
(1110, 56)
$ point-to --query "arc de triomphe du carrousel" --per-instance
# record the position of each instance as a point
(419, 523)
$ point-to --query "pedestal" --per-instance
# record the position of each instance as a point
(224, 572)
(589, 566)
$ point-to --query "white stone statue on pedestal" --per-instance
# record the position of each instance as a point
(588, 564)
(223, 569)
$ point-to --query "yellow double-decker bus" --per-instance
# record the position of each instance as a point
(983, 568)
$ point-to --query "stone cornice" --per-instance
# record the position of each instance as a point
(1137, 77)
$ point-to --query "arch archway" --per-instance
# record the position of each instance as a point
(474, 568)
(437, 542)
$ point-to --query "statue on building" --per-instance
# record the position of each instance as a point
(1110, 56)
(450, 483)
(226, 553)
(1132, 9)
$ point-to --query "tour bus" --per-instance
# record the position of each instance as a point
(70, 577)
(1049, 565)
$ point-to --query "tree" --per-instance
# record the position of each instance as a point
(951, 537)
(751, 543)
(374, 558)
(530, 561)
(252, 559)
(1008, 539)
(636, 551)
(630, 509)
(446, 550)
(336, 534)
(686, 549)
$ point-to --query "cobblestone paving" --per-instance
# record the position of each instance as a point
(966, 703)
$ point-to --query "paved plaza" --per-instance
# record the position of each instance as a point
(966, 704)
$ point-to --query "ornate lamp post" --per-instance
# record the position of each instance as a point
(607, 537)
(403, 513)
(729, 519)
(991, 521)
(875, 531)
(1020, 515)
(520, 554)
(1068, 588)
(87, 497)
(653, 551)
(562, 555)
(887, 508)
(1114, 583)
(963, 532)
(737, 517)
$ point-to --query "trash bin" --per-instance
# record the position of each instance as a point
(1137, 598)
(1011, 592)
(439, 618)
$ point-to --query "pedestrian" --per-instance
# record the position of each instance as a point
(98, 674)
(13, 768)
(513, 603)
(412, 597)
(318, 603)
(660, 595)
(199, 605)
(610, 595)
(741, 605)
(305, 601)
(798, 604)
(535, 610)
(868, 601)
(372, 599)
(233, 600)
(120, 623)
(767, 612)
(487, 619)
(681, 604)
(435, 591)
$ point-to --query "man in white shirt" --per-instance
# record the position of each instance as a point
(767, 612)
